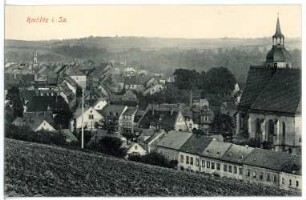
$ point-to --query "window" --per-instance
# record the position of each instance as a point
(212, 165)
(290, 182)
(248, 173)
(240, 171)
(235, 170)
(187, 159)
(197, 161)
(230, 169)
(225, 168)
(135, 147)
(297, 184)
(254, 174)
(283, 181)
(182, 158)
(90, 116)
(191, 160)
(260, 176)
(218, 166)
(208, 164)
(284, 134)
(274, 178)
(203, 163)
(268, 177)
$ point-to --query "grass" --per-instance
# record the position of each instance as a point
(33, 169)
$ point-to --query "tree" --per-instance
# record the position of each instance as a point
(13, 94)
(223, 123)
(109, 145)
(186, 79)
(220, 81)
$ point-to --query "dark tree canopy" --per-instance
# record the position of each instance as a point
(13, 94)
(186, 79)
(220, 81)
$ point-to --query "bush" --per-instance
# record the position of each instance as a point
(110, 146)
(154, 158)
(26, 134)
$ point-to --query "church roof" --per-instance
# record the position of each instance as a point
(257, 79)
(273, 90)
(282, 93)
(278, 53)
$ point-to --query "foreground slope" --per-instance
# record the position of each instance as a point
(41, 170)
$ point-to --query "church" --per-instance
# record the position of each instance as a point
(269, 112)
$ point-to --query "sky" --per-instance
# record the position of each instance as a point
(170, 21)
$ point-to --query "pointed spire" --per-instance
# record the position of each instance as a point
(278, 32)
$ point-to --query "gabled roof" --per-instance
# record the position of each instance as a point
(282, 93)
(74, 72)
(174, 140)
(42, 103)
(130, 111)
(237, 153)
(196, 144)
(112, 110)
(272, 160)
(166, 118)
(33, 120)
(216, 149)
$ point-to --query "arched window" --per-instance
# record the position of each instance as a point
(270, 131)
(284, 134)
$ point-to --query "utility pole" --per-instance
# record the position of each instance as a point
(82, 136)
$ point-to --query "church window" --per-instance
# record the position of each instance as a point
(270, 131)
(258, 128)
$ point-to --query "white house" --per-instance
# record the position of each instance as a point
(90, 118)
(134, 149)
(100, 104)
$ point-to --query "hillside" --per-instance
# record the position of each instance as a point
(155, 54)
(41, 170)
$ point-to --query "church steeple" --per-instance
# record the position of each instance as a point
(278, 56)
(278, 38)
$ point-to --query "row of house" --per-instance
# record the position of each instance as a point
(210, 155)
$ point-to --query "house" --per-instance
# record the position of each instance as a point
(210, 160)
(91, 118)
(153, 89)
(163, 116)
(46, 103)
(77, 75)
(233, 161)
(190, 152)
(291, 181)
(126, 121)
(204, 117)
(113, 111)
(100, 104)
(170, 144)
(264, 167)
(270, 106)
(68, 135)
(129, 98)
(36, 121)
(134, 149)
(149, 139)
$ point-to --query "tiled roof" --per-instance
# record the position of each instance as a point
(256, 81)
(216, 149)
(130, 111)
(274, 90)
(112, 110)
(272, 160)
(33, 120)
(174, 139)
(237, 153)
(41, 103)
(196, 144)
(167, 119)
(282, 93)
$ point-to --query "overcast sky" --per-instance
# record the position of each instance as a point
(196, 21)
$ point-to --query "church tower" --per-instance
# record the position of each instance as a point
(278, 56)
(35, 61)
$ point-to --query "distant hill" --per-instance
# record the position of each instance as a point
(40, 170)
(155, 54)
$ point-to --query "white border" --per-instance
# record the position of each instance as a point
(183, 2)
